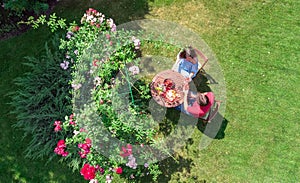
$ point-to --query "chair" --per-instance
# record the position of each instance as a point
(176, 64)
(212, 112)
(201, 66)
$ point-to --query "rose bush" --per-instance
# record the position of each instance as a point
(108, 134)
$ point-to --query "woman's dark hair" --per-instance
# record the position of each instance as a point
(182, 54)
(191, 52)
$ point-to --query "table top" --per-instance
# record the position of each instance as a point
(167, 88)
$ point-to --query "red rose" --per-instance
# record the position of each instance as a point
(88, 172)
(85, 147)
(60, 148)
(57, 128)
(119, 170)
(61, 144)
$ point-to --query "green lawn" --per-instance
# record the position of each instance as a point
(257, 45)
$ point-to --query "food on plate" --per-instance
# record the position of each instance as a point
(169, 84)
(171, 95)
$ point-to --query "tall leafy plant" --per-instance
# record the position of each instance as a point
(42, 97)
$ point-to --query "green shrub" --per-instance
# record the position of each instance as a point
(8, 27)
(39, 7)
(43, 96)
(18, 7)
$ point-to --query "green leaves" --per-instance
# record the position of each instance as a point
(144, 91)
(43, 97)
(42, 19)
(93, 51)
(18, 7)
(53, 23)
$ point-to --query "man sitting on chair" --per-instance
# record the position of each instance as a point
(198, 105)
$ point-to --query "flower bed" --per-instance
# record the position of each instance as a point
(112, 129)
(103, 138)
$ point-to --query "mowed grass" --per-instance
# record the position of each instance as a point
(257, 45)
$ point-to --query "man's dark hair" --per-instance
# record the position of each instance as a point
(202, 99)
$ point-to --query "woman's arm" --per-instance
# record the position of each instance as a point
(190, 76)
(185, 101)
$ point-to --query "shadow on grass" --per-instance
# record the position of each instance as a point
(169, 166)
(200, 82)
(215, 129)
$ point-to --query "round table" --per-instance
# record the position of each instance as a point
(159, 90)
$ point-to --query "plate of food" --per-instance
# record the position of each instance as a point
(166, 88)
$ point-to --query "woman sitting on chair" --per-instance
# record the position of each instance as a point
(188, 62)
